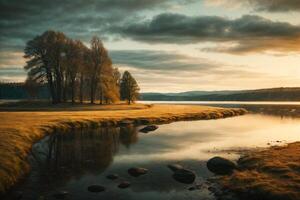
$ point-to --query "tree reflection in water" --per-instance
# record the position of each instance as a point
(70, 154)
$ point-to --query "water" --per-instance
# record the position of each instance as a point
(224, 102)
(74, 160)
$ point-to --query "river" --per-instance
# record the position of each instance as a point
(74, 160)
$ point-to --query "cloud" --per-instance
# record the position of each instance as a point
(11, 59)
(160, 60)
(261, 5)
(162, 71)
(249, 33)
(12, 74)
(22, 20)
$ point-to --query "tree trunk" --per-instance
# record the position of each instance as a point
(81, 89)
(65, 88)
(50, 85)
(58, 85)
(92, 94)
(58, 76)
(101, 95)
(129, 97)
(73, 90)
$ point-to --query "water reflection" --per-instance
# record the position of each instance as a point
(78, 158)
(83, 150)
(71, 154)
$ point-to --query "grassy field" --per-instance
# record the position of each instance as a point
(23, 124)
(270, 174)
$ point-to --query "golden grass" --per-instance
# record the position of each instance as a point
(20, 129)
(271, 174)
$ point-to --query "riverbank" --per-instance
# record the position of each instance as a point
(19, 130)
(269, 174)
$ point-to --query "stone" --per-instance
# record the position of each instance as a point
(184, 176)
(124, 184)
(96, 188)
(149, 128)
(221, 166)
(112, 176)
(136, 171)
(61, 194)
(175, 167)
(191, 188)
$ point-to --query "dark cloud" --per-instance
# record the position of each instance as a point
(21, 20)
(160, 60)
(276, 5)
(248, 33)
(270, 5)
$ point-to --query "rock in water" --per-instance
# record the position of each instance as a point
(184, 176)
(112, 176)
(191, 188)
(124, 184)
(175, 167)
(221, 166)
(61, 195)
(149, 128)
(96, 188)
(135, 171)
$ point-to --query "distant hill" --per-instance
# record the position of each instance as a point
(18, 91)
(271, 94)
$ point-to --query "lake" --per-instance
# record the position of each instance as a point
(74, 160)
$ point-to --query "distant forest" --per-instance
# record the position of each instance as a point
(272, 94)
(21, 91)
(73, 72)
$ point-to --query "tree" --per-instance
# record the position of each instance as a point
(70, 69)
(73, 62)
(97, 51)
(129, 88)
(44, 64)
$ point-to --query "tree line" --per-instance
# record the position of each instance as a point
(75, 72)
(19, 90)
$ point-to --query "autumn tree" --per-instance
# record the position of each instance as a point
(129, 88)
(74, 63)
(44, 65)
(72, 70)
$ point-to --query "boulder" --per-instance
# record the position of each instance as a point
(112, 176)
(191, 188)
(124, 184)
(136, 171)
(175, 167)
(221, 166)
(184, 176)
(149, 128)
(61, 195)
(96, 188)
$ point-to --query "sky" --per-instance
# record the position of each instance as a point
(168, 45)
